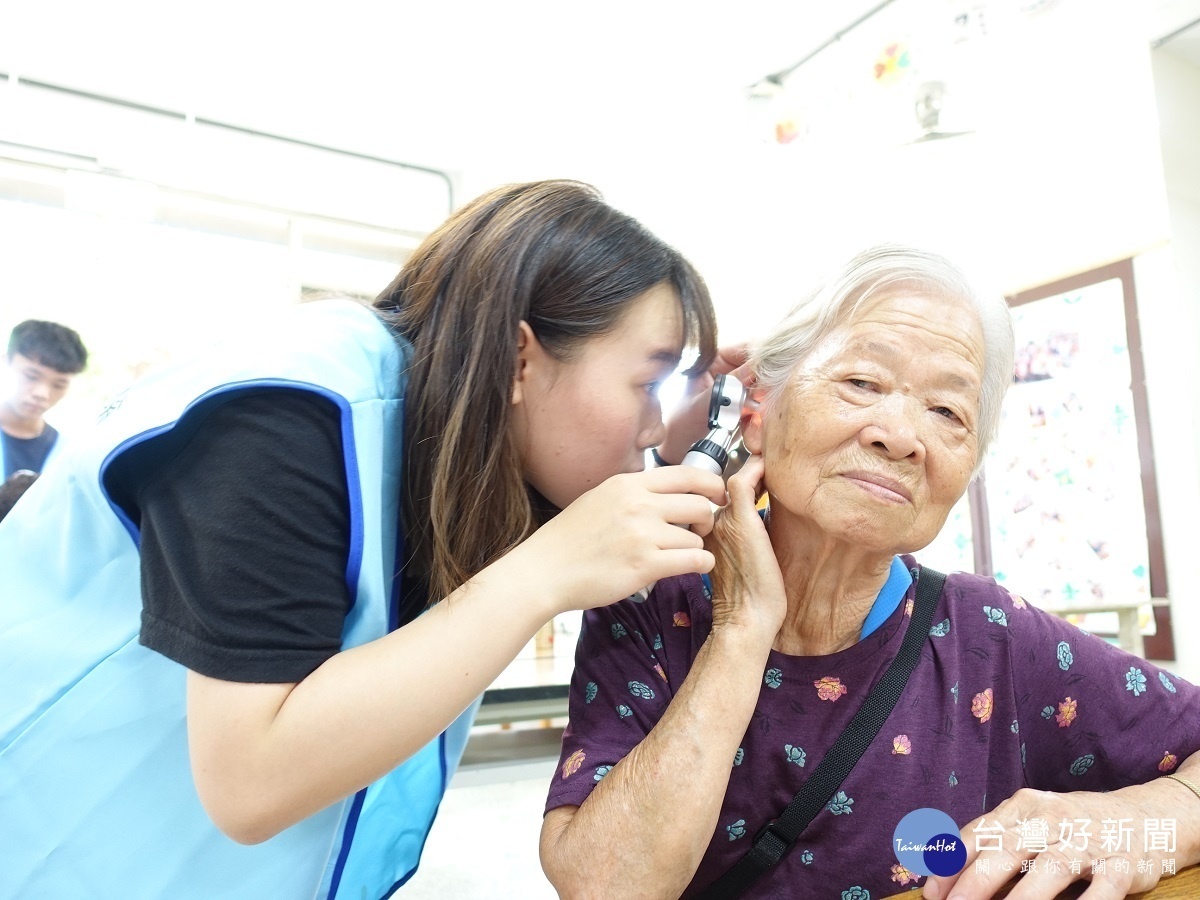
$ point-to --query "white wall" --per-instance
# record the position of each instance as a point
(1177, 92)
(1169, 301)
(142, 293)
(1062, 173)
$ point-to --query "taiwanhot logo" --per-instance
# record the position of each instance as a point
(927, 842)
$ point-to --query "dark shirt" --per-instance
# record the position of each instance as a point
(1005, 696)
(27, 453)
(245, 535)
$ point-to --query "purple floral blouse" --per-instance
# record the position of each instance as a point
(1005, 696)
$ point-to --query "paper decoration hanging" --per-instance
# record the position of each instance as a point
(787, 130)
(892, 63)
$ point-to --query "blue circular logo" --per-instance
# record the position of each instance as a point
(927, 842)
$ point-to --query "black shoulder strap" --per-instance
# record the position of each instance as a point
(777, 837)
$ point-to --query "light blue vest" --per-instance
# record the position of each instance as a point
(96, 793)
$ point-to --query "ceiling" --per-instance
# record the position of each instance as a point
(647, 99)
(1174, 25)
(494, 90)
(487, 91)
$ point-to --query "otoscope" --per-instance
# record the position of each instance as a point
(728, 400)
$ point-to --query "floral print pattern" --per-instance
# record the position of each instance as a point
(995, 615)
(641, 690)
(1066, 713)
(572, 763)
(981, 705)
(795, 755)
(840, 804)
(1033, 667)
(1065, 656)
(829, 688)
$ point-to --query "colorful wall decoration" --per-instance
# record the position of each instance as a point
(1064, 489)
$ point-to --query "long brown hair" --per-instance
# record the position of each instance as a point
(551, 253)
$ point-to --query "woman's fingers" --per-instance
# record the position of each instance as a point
(686, 480)
(730, 358)
(625, 533)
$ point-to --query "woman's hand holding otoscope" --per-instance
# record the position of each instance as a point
(728, 401)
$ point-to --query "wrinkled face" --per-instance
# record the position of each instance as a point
(579, 421)
(33, 387)
(874, 438)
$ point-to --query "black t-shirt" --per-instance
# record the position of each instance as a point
(245, 533)
(27, 453)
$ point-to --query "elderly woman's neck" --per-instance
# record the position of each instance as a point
(830, 586)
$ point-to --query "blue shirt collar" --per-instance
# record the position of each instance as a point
(890, 595)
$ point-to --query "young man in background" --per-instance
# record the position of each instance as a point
(42, 359)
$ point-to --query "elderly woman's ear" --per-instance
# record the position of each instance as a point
(752, 424)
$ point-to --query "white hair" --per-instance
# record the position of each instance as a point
(867, 275)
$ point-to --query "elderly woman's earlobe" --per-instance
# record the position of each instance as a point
(752, 424)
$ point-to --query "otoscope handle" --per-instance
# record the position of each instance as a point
(708, 455)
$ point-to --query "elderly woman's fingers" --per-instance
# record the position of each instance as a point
(748, 590)
(1003, 846)
(745, 487)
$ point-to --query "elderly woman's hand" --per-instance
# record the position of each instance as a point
(747, 584)
(1130, 833)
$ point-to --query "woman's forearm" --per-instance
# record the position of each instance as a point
(664, 814)
(266, 756)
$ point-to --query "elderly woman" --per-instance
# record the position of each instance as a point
(698, 714)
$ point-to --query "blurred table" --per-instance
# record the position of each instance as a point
(529, 688)
(1184, 886)
(1129, 634)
